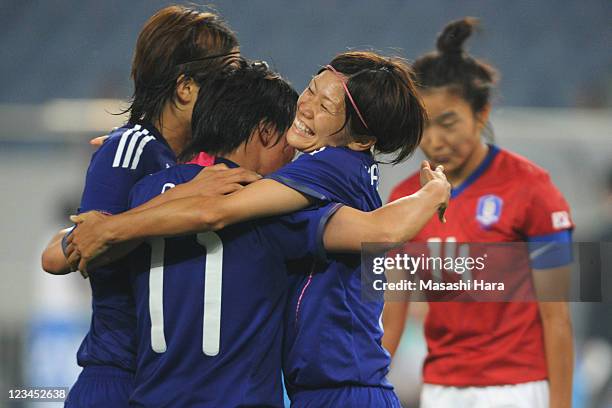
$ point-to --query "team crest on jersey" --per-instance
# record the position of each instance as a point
(489, 209)
(561, 220)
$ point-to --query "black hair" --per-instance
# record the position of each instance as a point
(451, 66)
(234, 103)
(384, 91)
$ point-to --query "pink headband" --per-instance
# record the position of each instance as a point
(343, 80)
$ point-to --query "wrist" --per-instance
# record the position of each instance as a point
(112, 232)
(437, 189)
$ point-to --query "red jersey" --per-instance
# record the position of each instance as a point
(506, 199)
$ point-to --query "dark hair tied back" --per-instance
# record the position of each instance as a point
(450, 41)
(453, 68)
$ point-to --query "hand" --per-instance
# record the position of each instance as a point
(428, 175)
(219, 179)
(73, 257)
(88, 240)
(98, 141)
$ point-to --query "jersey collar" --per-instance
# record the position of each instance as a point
(153, 130)
(229, 163)
(493, 150)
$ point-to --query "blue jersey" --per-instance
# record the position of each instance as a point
(210, 306)
(332, 337)
(130, 153)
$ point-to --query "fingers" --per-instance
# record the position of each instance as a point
(428, 173)
(216, 167)
(425, 165)
(77, 219)
(98, 141)
(441, 212)
(74, 259)
(70, 248)
(83, 268)
(230, 188)
(242, 176)
(209, 170)
(222, 181)
(440, 168)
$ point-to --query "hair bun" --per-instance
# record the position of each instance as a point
(451, 40)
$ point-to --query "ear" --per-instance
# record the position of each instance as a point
(362, 145)
(186, 90)
(483, 116)
(265, 133)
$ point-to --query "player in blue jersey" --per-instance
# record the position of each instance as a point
(361, 100)
(210, 306)
(166, 82)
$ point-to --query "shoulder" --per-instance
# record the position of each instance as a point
(337, 155)
(128, 146)
(409, 186)
(520, 167)
(178, 174)
(157, 183)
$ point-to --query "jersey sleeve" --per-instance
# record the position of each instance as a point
(547, 226)
(318, 175)
(300, 234)
(114, 170)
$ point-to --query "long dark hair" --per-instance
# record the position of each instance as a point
(176, 42)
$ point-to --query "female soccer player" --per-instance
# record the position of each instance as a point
(486, 354)
(176, 50)
(333, 354)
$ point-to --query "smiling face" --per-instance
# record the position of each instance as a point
(452, 133)
(320, 115)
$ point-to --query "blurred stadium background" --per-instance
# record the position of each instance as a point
(65, 68)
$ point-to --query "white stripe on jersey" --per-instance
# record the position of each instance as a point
(121, 146)
(141, 147)
(130, 149)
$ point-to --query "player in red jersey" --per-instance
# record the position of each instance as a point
(510, 354)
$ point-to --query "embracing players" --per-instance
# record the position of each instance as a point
(332, 350)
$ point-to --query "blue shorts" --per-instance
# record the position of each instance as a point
(101, 386)
(349, 396)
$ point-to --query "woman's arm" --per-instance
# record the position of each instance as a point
(552, 286)
(559, 348)
(53, 259)
(394, 223)
(395, 315)
(264, 198)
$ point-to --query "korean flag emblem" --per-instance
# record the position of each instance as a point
(489, 209)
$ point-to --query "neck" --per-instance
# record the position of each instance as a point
(458, 176)
(242, 157)
(175, 129)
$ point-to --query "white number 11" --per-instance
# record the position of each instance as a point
(211, 326)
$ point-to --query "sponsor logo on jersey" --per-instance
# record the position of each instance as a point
(561, 220)
(489, 209)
